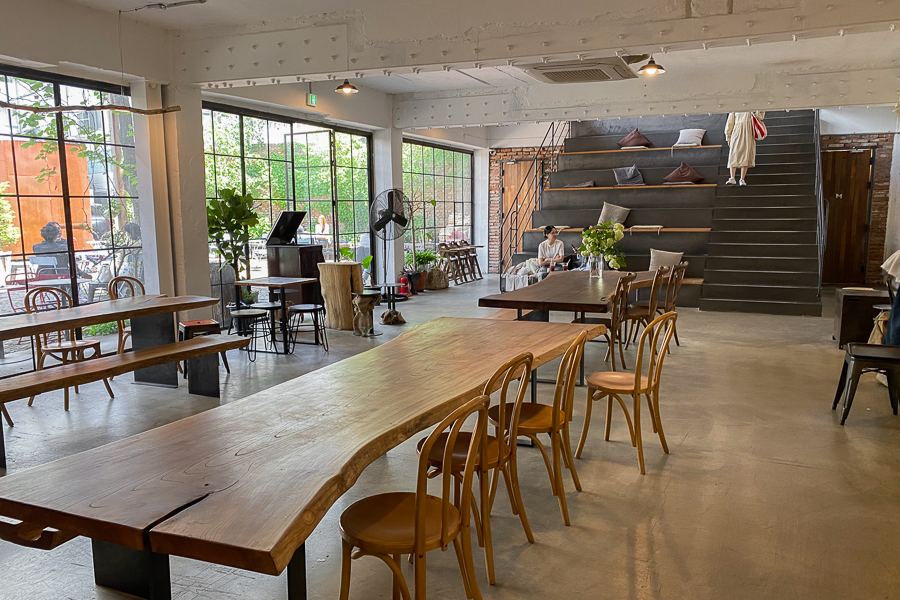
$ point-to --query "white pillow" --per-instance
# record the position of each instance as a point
(613, 214)
(661, 258)
(690, 137)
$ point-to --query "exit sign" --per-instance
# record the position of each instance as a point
(311, 100)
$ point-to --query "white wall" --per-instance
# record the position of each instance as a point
(859, 119)
(517, 136)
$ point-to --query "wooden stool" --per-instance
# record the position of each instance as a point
(247, 319)
(190, 329)
(363, 305)
(862, 358)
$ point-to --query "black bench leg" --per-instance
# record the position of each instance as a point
(141, 573)
(2, 450)
(894, 388)
(840, 388)
(149, 332)
(854, 371)
(203, 375)
(296, 574)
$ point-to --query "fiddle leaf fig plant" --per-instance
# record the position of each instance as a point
(230, 219)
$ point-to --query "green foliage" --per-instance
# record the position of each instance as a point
(9, 230)
(367, 261)
(600, 240)
(346, 253)
(101, 329)
(420, 259)
(229, 220)
(248, 295)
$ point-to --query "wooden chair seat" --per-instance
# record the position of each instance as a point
(461, 449)
(386, 523)
(70, 345)
(616, 382)
(535, 418)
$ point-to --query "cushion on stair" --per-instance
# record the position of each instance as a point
(628, 176)
(613, 214)
(662, 258)
(583, 184)
(685, 173)
(635, 138)
(690, 137)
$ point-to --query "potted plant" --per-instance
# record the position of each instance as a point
(598, 244)
(229, 219)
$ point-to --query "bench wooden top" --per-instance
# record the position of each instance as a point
(59, 377)
(99, 312)
(245, 484)
(573, 291)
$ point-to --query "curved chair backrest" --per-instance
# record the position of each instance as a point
(565, 380)
(124, 287)
(658, 278)
(662, 327)
(452, 425)
(676, 276)
(516, 369)
(619, 304)
(41, 299)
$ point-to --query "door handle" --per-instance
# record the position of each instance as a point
(838, 195)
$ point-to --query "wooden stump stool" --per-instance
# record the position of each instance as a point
(363, 305)
(339, 281)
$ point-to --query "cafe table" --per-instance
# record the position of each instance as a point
(246, 483)
(280, 285)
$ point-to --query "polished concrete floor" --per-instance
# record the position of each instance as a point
(763, 496)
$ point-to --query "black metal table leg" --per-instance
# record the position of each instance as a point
(148, 332)
(284, 323)
(141, 573)
(296, 574)
(203, 375)
(2, 450)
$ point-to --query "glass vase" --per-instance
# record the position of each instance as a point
(595, 266)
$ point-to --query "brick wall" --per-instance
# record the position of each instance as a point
(883, 144)
(498, 157)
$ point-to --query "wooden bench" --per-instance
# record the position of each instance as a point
(506, 314)
(89, 371)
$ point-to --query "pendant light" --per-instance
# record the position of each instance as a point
(651, 68)
(346, 88)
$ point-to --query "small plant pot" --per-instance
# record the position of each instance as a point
(421, 281)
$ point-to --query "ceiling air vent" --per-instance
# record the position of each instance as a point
(591, 70)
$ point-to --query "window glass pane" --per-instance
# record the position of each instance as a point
(31, 93)
(257, 173)
(208, 145)
(226, 134)
(210, 176)
(256, 138)
(361, 184)
(360, 152)
(279, 140)
(37, 167)
(228, 173)
(280, 174)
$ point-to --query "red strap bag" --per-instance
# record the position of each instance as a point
(759, 128)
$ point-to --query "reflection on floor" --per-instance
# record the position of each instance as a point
(762, 496)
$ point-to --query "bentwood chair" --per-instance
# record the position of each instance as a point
(389, 525)
(611, 385)
(552, 420)
(501, 449)
(641, 314)
(64, 348)
(124, 287)
(614, 320)
(673, 286)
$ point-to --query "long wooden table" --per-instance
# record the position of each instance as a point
(572, 291)
(246, 483)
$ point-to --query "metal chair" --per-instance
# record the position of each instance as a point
(297, 314)
(252, 323)
(868, 358)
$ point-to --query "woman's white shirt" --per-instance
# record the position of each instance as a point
(545, 250)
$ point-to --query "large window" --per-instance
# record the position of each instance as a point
(289, 165)
(438, 181)
(69, 214)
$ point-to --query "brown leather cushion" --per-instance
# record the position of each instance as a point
(685, 172)
(635, 138)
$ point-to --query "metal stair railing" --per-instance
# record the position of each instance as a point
(821, 207)
(528, 197)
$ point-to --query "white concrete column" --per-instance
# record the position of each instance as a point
(187, 191)
(153, 192)
(388, 151)
(480, 216)
(892, 229)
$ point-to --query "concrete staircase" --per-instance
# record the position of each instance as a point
(762, 254)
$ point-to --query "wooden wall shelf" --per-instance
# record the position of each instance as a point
(643, 149)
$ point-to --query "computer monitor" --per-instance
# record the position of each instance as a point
(285, 229)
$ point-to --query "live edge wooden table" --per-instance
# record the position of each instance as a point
(281, 284)
(246, 483)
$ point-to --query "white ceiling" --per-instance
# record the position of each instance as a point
(460, 79)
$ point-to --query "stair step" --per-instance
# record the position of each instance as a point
(762, 237)
(605, 177)
(777, 136)
(770, 263)
(630, 197)
(642, 159)
(755, 201)
(782, 177)
(780, 293)
(796, 278)
(764, 224)
(769, 211)
(758, 250)
(777, 168)
(690, 242)
(667, 217)
(753, 189)
(782, 127)
(804, 309)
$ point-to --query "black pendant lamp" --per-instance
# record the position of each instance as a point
(651, 68)
(346, 88)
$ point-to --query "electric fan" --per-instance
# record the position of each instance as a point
(389, 221)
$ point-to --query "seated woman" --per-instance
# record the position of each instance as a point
(551, 250)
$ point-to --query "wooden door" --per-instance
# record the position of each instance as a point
(846, 183)
(519, 192)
